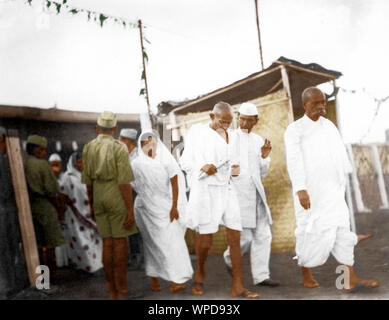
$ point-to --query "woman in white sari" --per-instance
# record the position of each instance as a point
(84, 241)
(160, 213)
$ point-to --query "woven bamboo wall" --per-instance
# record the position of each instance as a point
(273, 120)
(273, 111)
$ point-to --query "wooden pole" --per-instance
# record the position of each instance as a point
(259, 32)
(144, 73)
(286, 84)
(23, 204)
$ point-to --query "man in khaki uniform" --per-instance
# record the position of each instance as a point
(107, 174)
(44, 196)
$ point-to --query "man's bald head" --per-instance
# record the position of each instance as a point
(221, 116)
(309, 92)
(314, 103)
(221, 107)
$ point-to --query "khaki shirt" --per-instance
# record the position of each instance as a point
(40, 178)
(106, 159)
(41, 183)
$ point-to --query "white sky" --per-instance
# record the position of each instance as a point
(196, 46)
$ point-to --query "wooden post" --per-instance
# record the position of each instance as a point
(355, 182)
(259, 32)
(380, 177)
(23, 204)
(144, 73)
(285, 82)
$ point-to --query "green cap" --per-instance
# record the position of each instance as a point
(107, 119)
(38, 140)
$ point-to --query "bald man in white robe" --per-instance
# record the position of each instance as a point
(213, 200)
(318, 167)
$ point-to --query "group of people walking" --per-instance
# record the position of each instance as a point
(224, 170)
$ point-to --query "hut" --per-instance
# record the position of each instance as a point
(276, 91)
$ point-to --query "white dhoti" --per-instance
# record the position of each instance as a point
(318, 237)
(224, 210)
(314, 249)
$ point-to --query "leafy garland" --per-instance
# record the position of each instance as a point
(101, 18)
(91, 15)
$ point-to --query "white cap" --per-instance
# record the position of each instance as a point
(128, 133)
(248, 109)
(55, 157)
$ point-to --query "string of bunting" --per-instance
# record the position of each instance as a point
(101, 18)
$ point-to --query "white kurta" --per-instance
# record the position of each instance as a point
(165, 250)
(317, 162)
(256, 218)
(212, 199)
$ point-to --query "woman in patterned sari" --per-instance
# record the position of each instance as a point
(84, 241)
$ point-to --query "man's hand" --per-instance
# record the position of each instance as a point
(304, 199)
(66, 199)
(130, 221)
(174, 214)
(235, 170)
(209, 169)
(266, 148)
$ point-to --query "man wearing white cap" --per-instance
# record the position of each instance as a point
(55, 163)
(252, 155)
(128, 137)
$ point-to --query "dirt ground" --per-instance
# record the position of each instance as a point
(371, 256)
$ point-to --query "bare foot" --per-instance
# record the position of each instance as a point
(362, 237)
(308, 279)
(310, 283)
(370, 283)
(197, 289)
(155, 285)
(177, 287)
(246, 294)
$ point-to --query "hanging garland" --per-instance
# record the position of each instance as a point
(101, 18)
